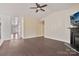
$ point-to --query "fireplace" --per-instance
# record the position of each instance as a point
(74, 20)
(75, 38)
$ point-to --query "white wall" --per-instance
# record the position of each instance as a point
(5, 27)
(57, 25)
(30, 27)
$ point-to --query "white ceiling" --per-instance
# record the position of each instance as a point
(24, 9)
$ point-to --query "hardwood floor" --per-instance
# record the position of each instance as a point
(39, 46)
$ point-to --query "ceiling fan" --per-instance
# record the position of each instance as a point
(39, 7)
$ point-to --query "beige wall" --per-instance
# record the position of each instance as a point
(57, 24)
(32, 27)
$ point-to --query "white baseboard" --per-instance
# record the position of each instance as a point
(56, 39)
(71, 47)
(31, 37)
(22, 37)
(6, 39)
(1, 42)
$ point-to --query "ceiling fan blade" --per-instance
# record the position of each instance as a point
(42, 9)
(38, 5)
(44, 5)
(36, 10)
(33, 7)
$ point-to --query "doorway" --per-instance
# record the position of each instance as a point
(17, 27)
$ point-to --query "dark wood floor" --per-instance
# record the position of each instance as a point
(35, 47)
